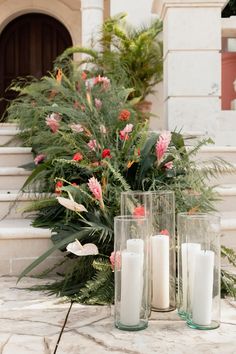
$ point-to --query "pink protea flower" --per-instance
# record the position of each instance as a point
(77, 128)
(115, 259)
(96, 189)
(169, 165)
(162, 144)
(98, 103)
(53, 122)
(39, 158)
(124, 134)
(92, 144)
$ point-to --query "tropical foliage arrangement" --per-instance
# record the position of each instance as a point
(91, 143)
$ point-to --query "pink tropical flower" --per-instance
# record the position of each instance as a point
(115, 259)
(139, 211)
(162, 144)
(98, 103)
(53, 122)
(39, 158)
(102, 80)
(92, 144)
(77, 128)
(96, 189)
(164, 232)
(169, 165)
(124, 134)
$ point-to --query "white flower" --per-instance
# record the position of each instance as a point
(76, 248)
(71, 204)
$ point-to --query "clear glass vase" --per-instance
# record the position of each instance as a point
(199, 269)
(137, 203)
(131, 272)
(163, 252)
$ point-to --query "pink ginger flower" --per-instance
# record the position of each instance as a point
(52, 121)
(96, 189)
(39, 158)
(124, 134)
(169, 165)
(98, 103)
(102, 80)
(77, 128)
(92, 144)
(162, 144)
(115, 259)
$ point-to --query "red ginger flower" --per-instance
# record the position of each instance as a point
(106, 153)
(164, 232)
(78, 156)
(58, 187)
(139, 211)
(124, 115)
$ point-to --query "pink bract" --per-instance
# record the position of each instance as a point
(95, 188)
(162, 144)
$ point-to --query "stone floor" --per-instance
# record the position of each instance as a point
(32, 322)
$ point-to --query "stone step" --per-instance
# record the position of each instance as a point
(227, 153)
(21, 244)
(13, 177)
(15, 156)
(13, 203)
(228, 194)
(8, 133)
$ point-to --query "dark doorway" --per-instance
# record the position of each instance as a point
(28, 46)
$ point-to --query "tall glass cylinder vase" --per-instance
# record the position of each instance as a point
(199, 269)
(137, 203)
(131, 272)
(163, 251)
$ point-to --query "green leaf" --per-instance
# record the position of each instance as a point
(60, 244)
(35, 173)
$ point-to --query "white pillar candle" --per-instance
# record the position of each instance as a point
(136, 245)
(130, 288)
(160, 271)
(188, 253)
(203, 288)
